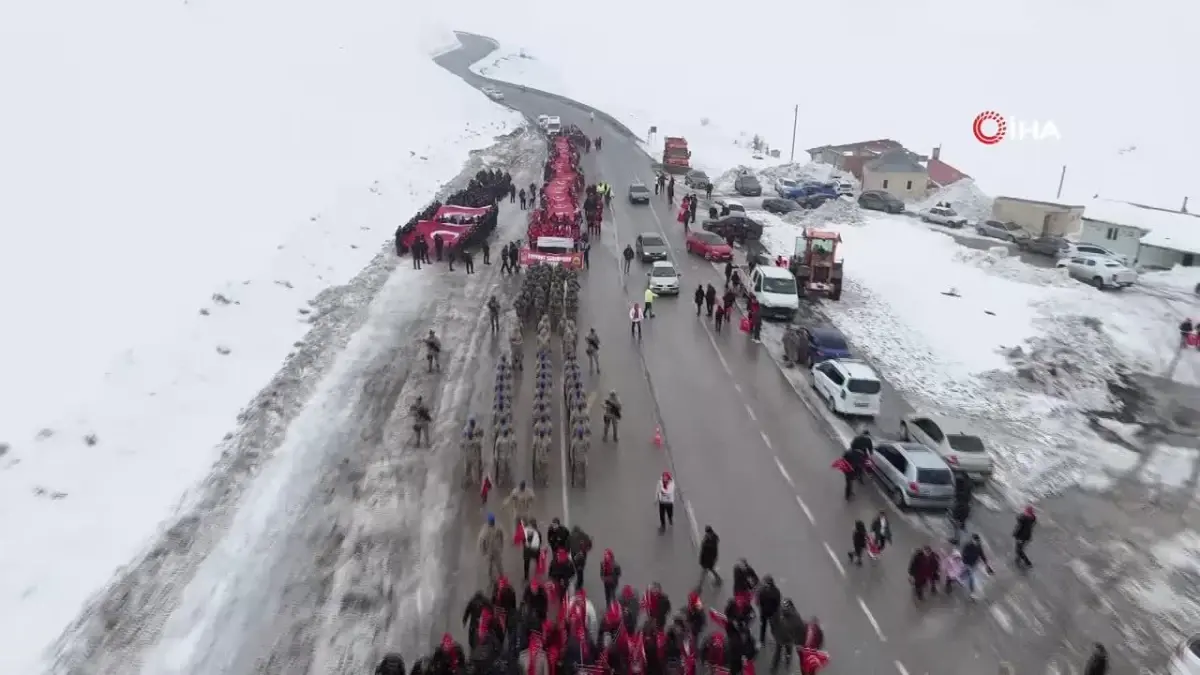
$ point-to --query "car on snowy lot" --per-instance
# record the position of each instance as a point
(1073, 249)
(728, 206)
(736, 225)
(639, 193)
(878, 200)
(943, 215)
(845, 189)
(848, 386)
(783, 185)
(1055, 247)
(747, 185)
(663, 278)
(1010, 232)
(823, 342)
(1186, 658)
(650, 247)
(697, 180)
(963, 450)
(708, 245)
(1099, 271)
(779, 206)
(912, 475)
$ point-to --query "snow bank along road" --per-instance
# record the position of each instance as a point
(316, 540)
(750, 459)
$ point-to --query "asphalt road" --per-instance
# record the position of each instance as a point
(751, 460)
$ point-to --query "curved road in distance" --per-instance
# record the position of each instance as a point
(750, 459)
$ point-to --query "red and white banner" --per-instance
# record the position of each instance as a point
(530, 257)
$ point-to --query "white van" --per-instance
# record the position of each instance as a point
(848, 387)
(553, 124)
(775, 290)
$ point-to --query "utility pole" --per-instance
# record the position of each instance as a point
(795, 118)
(1061, 178)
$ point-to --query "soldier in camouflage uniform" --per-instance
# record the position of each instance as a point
(543, 332)
(580, 444)
(516, 347)
(542, 433)
(505, 448)
(472, 445)
(570, 338)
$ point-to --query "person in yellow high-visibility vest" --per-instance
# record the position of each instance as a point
(649, 303)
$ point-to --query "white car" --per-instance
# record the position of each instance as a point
(775, 290)
(845, 190)
(962, 449)
(663, 278)
(732, 204)
(848, 387)
(1098, 271)
(493, 93)
(782, 185)
(1075, 249)
(942, 215)
(542, 120)
(1186, 659)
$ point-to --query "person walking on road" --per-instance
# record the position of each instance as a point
(769, 599)
(1023, 534)
(710, 299)
(649, 303)
(858, 542)
(610, 576)
(719, 318)
(491, 547)
(493, 307)
(972, 556)
(671, 192)
(627, 254)
(612, 415)
(664, 495)
(1097, 663)
(532, 547)
(635, 321)
(709, 546)
(521, 195)
(708, 191)
(520, 501)
(698, 296)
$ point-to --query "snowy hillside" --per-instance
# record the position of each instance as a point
(176, 191)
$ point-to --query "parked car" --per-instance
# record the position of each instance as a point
(845, 189)
(814, 201)
(782, 185)
(1010, 232)
(779, 205)
(650, 247)
(697, 180)
(638, 193)
(943, 215)
(963, 450)
(663, 278)
(810, 188)
(913, 475)
(878, 200)
(747, 185)
(1099, 271)
(728, 206)
(1093, 250)
(775, 290)
(1052, 246)
(736, 225)
(1186, 658)
(708, 245)
(493, 93)
(848, 387)
(824, 342)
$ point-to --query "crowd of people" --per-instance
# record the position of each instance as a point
(556, 205)
(486, 189)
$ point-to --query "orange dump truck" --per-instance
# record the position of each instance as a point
(676, 156)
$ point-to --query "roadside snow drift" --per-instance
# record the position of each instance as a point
(179, 181)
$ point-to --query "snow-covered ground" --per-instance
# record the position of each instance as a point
(173, 221)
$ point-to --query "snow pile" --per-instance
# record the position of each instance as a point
(180, 217)
(780, 232)
(809, 171)
(997, 261)
(965, 198)
(1179, 280)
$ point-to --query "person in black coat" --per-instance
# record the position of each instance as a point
(709, 545)
(698, 297)
(769, 599)
(557, 535)
(471, 617)
(1097, 663)
(391, 664)
(1023, 534)
(710, 299)
(858, 542)
(745, 579)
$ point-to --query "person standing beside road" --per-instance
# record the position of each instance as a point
(587, 254)
(627, 254)
(756, 323)
(649, 303)
(692, 205)
(709, 546)
(521, 194)
(858, 542)
(769, 599)
(671, 191)
(664, 496)
(493, 307)
(698, 296)
(491, 546)
(1023, 534)
(708, 191)
(635, 321)
(710, 298)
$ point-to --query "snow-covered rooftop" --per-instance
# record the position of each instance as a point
(1165, 229)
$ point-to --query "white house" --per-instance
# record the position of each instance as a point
(1151, 236)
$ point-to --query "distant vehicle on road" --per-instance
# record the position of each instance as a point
(747, 185)
(638, 193)
(824, 342)
(736, 225)
(1099, 271)
(913, 475)
(962, 449)
(709, 246)
(779, 206)
(1056, 247)
(493, 93)
(848, 386)
(650, 247)
(1074, 249)
(878, 200)
(676, 156)
(553, 124)
(943, 215)
(697, 180)
(663, 278)
(1010, 232)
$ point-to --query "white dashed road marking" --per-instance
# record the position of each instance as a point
(687, 505)
(750, 412)
(786, 475)
(804, 508)
(871, 617)
(900, 667)
(766, 439)
(837, 562)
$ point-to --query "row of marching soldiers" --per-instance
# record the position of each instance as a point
(551, 630)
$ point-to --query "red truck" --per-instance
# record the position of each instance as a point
(676, 156)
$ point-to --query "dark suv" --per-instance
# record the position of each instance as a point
(747, 186)
(878, 200)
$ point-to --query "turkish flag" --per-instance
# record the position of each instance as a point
(812, 660)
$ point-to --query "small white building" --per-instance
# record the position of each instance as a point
(897, 172)
(1151, 236)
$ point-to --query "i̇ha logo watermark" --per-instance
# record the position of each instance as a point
(990, 128)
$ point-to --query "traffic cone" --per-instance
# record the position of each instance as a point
(658, 436)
